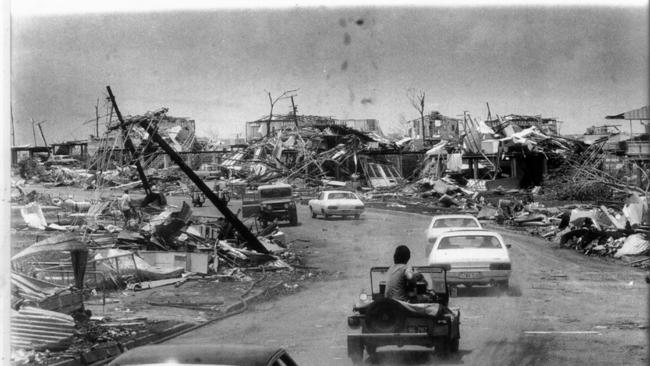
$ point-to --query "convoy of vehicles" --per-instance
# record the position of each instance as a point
(459, 252)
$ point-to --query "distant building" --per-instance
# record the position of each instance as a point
(257, 129)
(436, 127)
(549, 126)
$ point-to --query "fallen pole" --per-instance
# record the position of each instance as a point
(252, 242)
(129, 144)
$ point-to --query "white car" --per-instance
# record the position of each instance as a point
(340, 203)
(473, 257)
(440, 224)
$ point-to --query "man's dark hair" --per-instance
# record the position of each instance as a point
(126, 191)
(402, 254)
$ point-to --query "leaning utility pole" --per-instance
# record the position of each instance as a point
(43, 136)
(129, 144)
(251, 240)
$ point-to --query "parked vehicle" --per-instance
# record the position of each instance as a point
(441, 223)
(205, 354)
(339, 203)
(474, 257)
(425, 320)
(270, 202)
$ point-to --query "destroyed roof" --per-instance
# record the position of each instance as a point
(635, 114)
(61, 242)
(537, 118)
(303, 120)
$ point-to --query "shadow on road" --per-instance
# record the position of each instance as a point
(415, 357)
(339, 218)
(488, 291)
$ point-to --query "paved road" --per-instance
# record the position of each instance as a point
(563, 309)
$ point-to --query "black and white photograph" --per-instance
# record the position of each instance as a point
(204, 183)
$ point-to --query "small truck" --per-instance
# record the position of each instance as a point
(270, 202)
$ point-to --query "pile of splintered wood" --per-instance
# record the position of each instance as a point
(582, 176)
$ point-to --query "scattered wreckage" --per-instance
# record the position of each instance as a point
(502, 170)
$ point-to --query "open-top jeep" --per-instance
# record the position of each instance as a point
(425, 320)
(270, 202)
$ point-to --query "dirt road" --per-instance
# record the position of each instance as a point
(563, 308)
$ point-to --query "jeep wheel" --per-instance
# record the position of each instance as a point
(293, 218)
(453, 345)
(372, 350)
(355, 352)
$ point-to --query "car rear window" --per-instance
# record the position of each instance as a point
(470, 242)
(439, 223)
(341, 195)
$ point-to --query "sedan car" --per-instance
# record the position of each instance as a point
(440, 224)
(206, 354)
(339, 203)
(474, 257)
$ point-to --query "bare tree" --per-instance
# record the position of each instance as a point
(285, 95)
(417, 101)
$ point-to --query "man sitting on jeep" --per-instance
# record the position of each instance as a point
(400, 278)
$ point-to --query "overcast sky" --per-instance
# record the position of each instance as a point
(574, 63)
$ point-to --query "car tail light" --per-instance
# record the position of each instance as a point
(354, 321)
(332, 207)
(500, 266)
(358, 207)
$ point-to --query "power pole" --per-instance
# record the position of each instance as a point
(43, 136)
(295, 115)
(34, 132)
(252, 242)
(489, 116)
(422, 115)
(13, 128)
(97, 119)
(129, 144)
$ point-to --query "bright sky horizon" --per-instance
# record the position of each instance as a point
(578, 64)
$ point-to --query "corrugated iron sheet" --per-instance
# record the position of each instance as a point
(32, 289)
(35, 328)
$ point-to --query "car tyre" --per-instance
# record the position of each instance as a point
(372, 350)
(313, 214)
(293, 218)
(355, 352)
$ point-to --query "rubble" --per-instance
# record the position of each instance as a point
(514, 170)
